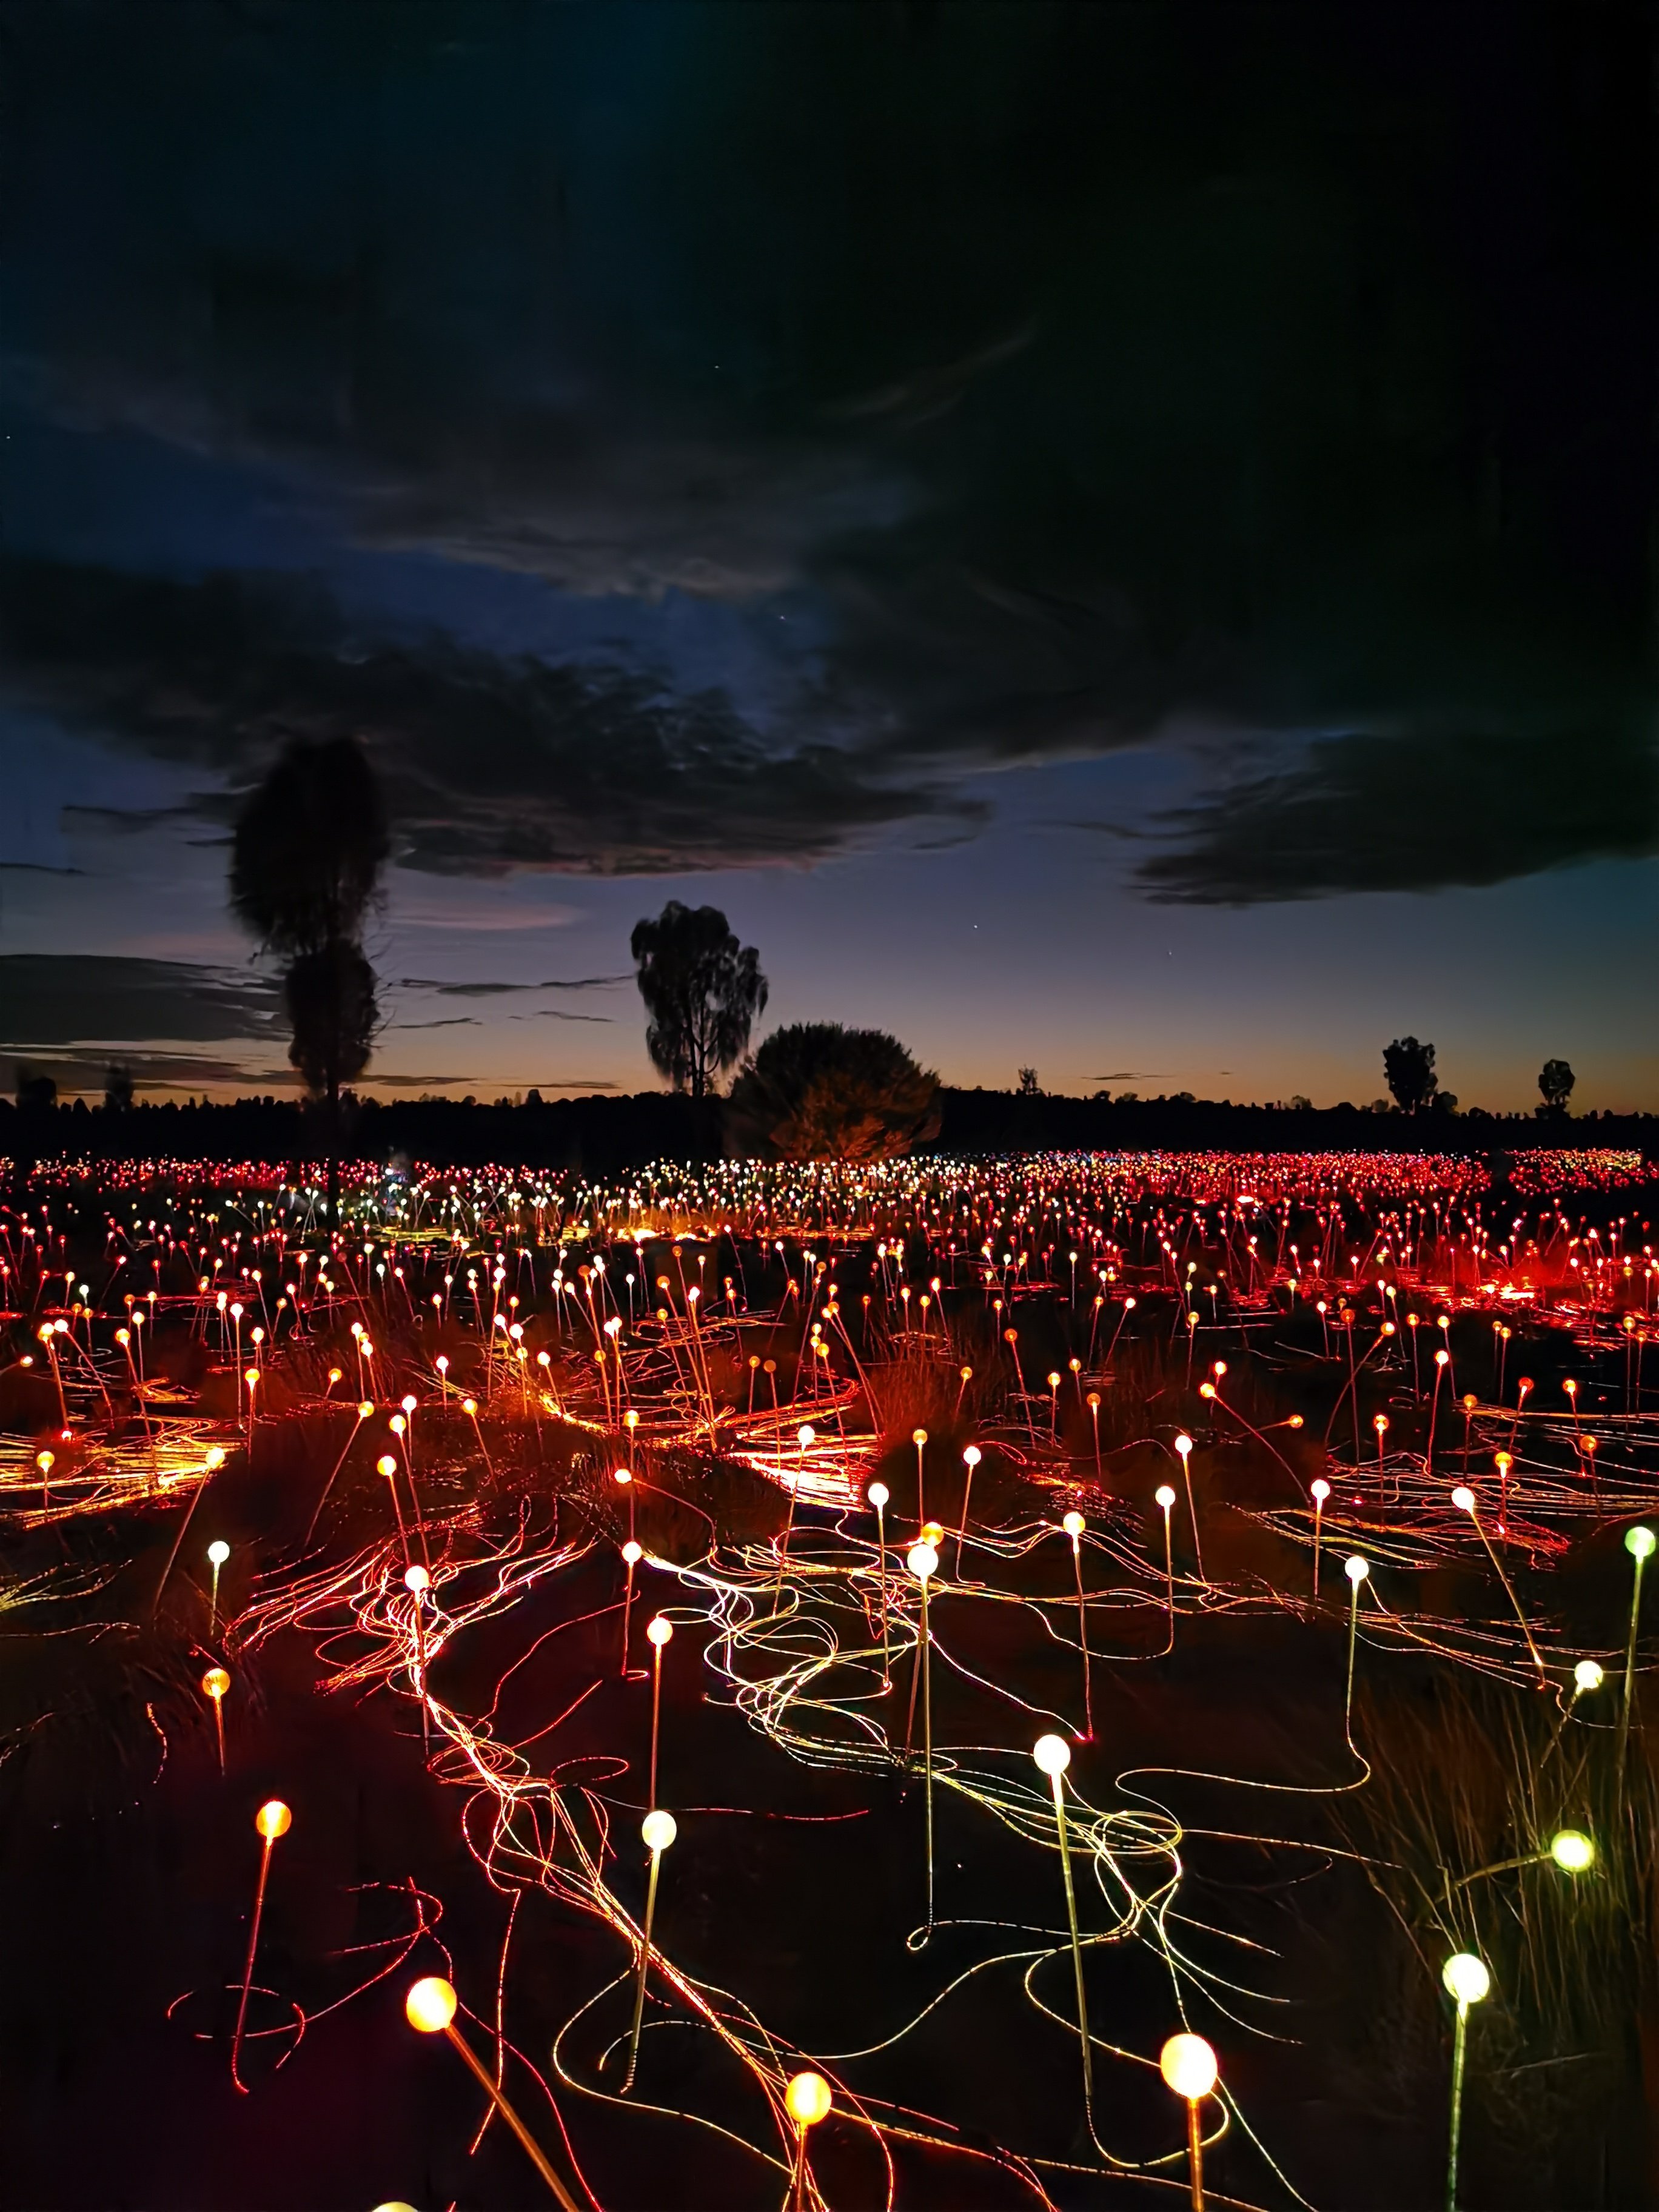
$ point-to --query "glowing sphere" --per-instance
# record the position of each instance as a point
(1588, 1675)
(1356, 1569)
(624, 1474)
(1164, 1496)
(806, 1436)
(387, 1466)
(1184, 1445)
(1052, 1754)
(273, 1819)
(1463, 1498)
(365, 1407)
(923, 1560)
(1320, 1489)
(430, 2004)
(218, 1551)
(1639, 1541)
(1572, 1850)
(658, 1830)
(971, 1453)
(933, 1532)
(215, 1455)
(1187, 2065)
(215, 1683)
(879, 1494)
(633, 1552)
(808, 2098)
(416, 1579)
(658, 1631)
(1073, 1524)
(1466, 1978)
(918, 1436)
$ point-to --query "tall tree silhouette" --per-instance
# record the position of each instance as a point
(310, 844)
(1408, 1069)
(1555, 1080)
(702, 991)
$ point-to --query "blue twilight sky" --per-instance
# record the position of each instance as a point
(1114, 539)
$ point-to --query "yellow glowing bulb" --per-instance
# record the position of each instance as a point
(658, 1631)
(1189, 2066)
(1588, 1675)
(215, 1682)
(923, 1560)
(430, 2004)
(273, 1819)
(1052, 1754)
(918, 1436)
(365, 1407)
(659, 1830)
(387, 1466)
(1466, 1978)
(1572, 1850)
(215, 1455)
(808, 2098)
(1073, 1524)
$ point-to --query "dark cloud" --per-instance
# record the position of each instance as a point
(58, 999)
(87, 1072)
(490, 763)
(1373, 813)
(1062, 375)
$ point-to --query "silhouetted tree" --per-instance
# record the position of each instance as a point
(305, 863)
(819, 1092)
(1408, 1070)
(1555, 1080)
(36, 1094)
(703, 991)
(117, 1090)
(1028, 1085)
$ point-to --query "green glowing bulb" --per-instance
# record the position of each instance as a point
(1639, 1541)
(1572, 1850)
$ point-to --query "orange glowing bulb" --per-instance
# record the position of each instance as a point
(273, 1819)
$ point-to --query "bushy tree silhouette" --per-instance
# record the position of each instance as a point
(305, 864)
(1555, 1080)
(703, 991)
(819, 1092)
(118, 1089)
(1408, 1070)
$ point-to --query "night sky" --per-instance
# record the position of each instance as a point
(1114, 538)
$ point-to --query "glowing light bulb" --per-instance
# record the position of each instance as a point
(218, 1551)
(1639, 1541)
(1183, 1444)
(658, 1631)
(430, 2004)
(416, 1579)
(215, 1683)
(805, 1435)
(923, 1560)
(1588, 1675)
(1572, 1850)
(1164, 1496)
(658, 1830)
(878, 1495)
(633, 1552)
(1463, 1499)
(1052, 1754)
(1321, 1488)
(1466, 1978)
(1189, 2066)
(808, 2098)
(970, 1455)
(1073, 1524)
(387, 1466)
(1356, 1569)
(273, 1819)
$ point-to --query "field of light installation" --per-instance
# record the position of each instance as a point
(773, 1648)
